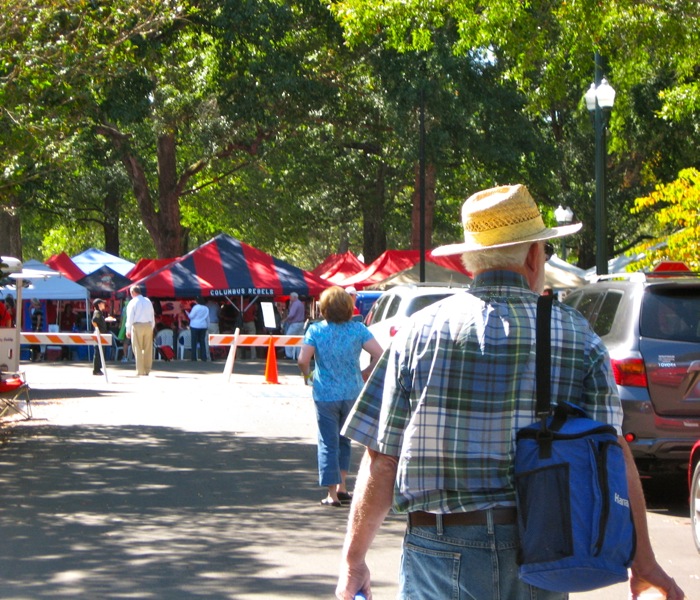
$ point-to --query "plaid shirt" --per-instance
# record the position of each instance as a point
(450, 393)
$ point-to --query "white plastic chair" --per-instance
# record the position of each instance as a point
(184, 343)
(163, 338)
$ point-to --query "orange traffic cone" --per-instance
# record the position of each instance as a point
(271, 364)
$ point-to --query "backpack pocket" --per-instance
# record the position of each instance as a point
(544, 514)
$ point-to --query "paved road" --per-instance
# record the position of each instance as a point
(186, 485)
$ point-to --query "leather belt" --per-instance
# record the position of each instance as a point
(501, 516)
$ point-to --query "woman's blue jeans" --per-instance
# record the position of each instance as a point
(464, 562)
(333, 448)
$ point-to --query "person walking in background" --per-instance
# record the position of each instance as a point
(249, 313)
(66, 323)
(353, 294)
(439, 416)
(10, 306)
(335, 345)
(37, 321)
(5, 314)
(214, 309)
(121, 335)
(140, 322)
(98, 323)
(294, 323)
(199, 325)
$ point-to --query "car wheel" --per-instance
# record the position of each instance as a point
(695, 506)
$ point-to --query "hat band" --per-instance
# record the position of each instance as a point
(507, 234)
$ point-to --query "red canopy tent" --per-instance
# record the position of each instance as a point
(64, 264)
(224, 266)
(146, 266)
(393, 261)
(338, 267)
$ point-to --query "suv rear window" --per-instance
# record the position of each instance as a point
(671, 314)
(420, 302)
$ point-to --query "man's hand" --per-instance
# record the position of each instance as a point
(353, 580)
(656, 578)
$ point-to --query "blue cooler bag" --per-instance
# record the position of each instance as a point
(574, 516)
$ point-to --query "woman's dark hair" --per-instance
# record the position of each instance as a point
(336, 305)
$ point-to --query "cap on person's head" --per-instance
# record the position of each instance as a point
(351, 290)
(502, 216)
(98, 301)
(35, 302)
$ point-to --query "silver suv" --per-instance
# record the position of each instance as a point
(650, 324)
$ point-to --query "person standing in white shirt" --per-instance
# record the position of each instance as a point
(199, 324)
(140, 322)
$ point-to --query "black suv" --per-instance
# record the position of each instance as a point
(651, 327)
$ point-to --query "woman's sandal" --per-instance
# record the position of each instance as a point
(344, 497)
(330, 502)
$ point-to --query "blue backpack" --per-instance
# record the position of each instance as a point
(574, 514)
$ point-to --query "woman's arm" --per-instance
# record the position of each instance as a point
(375, 351)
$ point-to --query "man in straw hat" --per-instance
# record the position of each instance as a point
(439, 414)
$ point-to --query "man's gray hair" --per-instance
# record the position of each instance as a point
(294, 295)
(136, 289)
(495, 258)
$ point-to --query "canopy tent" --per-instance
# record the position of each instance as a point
(338, 267)
(104, 281)
(561, 278)
(433, 273)
(393, 261)
(47, 284)
(224, 266)
(65, 266)
(92, 259)
(146, 266)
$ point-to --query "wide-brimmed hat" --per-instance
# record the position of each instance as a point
(97, 301)
(502, 216)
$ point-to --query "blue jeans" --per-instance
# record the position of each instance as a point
(293, 329)
(333, 448)
(464, 562)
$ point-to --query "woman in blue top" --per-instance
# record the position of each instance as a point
(335, 345)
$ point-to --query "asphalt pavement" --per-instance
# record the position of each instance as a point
(182, 484)
(189, 484)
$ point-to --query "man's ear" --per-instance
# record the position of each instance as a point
(534, 267)
(532, 260)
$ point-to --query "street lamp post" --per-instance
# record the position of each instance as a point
(564, 216)
(599, 102)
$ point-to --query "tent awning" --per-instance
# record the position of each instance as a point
(225, 266)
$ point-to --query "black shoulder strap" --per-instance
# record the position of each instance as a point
(543, 355)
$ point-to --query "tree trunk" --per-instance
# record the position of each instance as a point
(10, 232)
(111, 221)
(429, 207)
(373, 231)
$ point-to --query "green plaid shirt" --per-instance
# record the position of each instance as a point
(450, 393)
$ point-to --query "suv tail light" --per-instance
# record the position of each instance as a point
(630, 372)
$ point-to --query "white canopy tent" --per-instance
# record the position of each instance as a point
(46, 284)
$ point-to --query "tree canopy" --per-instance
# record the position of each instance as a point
(150, 126)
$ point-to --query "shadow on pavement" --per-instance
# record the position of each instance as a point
(157, 512)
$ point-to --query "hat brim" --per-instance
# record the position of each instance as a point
(546, 234)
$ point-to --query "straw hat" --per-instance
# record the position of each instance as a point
(502, 216)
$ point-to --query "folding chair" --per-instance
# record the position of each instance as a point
(14, 391)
